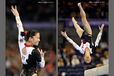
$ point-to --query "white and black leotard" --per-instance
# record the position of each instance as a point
(30, 56)
(86, 41)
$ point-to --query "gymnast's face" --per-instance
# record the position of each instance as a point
(87, 58)
(36, 39)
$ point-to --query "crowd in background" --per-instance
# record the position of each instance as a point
(93, 8)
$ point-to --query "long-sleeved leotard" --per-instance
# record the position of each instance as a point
(25, 54)
(82, 47)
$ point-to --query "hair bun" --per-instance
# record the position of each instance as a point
(22, 34)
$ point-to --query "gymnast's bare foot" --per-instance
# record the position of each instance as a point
(79, 4)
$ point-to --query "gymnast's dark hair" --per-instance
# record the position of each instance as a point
(28, 34)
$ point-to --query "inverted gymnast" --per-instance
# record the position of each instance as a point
(87, 45)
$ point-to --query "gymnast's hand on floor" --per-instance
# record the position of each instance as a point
(64, 34)
(14, 10)
(101, 28)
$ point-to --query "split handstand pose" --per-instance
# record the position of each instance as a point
(86, 36)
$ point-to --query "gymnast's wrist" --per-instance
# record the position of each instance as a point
(100, 32)
(42, 56)
(17, 16)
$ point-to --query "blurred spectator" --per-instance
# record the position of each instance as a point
(75, 61)
(103, 45)
(67, 61)
(64, 53)
(60, 62)
(63, 74)
(102, 60)
(50, 68)
(106, 59)
(59, 54)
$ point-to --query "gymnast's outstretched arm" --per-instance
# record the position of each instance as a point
(71, 41)
(21, 40)
(99, 35)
